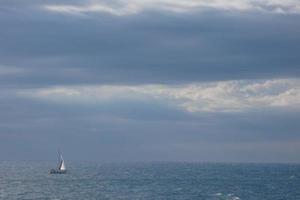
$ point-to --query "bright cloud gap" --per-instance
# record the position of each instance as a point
(129, 7)
(221, 96)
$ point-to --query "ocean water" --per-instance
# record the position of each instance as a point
(31, 180)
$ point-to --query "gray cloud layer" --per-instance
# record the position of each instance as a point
(179, 52)
(149, 47)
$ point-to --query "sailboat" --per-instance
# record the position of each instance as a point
(61, 168)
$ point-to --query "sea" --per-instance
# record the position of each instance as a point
(151, 180)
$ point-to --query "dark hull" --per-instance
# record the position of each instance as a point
(55, 171)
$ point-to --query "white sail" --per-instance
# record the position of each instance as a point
(62, 165)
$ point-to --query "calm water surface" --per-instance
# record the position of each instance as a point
(31, 180)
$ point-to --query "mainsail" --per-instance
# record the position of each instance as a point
(61, 165)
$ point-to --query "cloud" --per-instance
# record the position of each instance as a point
(144, 132)
(157, 80)
(222, 96)
(6, 70)
(147, 48)
(129, 7)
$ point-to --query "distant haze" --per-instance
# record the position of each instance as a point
(153, 80)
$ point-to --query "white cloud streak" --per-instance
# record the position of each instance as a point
(224, 96)
(129, 7)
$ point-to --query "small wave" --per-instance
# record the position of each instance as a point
(229, 196)
(218, 194)
(292, 177)
(232, 197)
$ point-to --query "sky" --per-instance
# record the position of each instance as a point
(150, 80)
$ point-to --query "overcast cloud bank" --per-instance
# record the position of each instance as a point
(226, 96)
(150, 80)
(128, 7)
